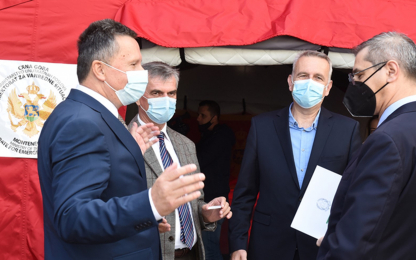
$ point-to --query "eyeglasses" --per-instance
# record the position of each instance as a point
(351, 75)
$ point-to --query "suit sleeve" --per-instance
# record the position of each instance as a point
(80, 162)
(355, 141)
(245, 194)
(374, 189)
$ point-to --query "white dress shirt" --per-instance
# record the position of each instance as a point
(172, 153)
(393, 107)
(113, 109)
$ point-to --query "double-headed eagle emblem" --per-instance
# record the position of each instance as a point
(30, 113)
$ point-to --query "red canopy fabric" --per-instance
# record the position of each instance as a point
(47, 31)
(331, 23)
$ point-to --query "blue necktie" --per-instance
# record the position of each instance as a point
(187, 229)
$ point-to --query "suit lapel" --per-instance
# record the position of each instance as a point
(177, 146)
(150, 157)
(322, 133)
(281, 123)
(116, 126)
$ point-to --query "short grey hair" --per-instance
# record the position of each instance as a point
(310, 53)
(391, 46)
(161, 71)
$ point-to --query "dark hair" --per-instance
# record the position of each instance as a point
(213, 107)
(391, 46)
(98, 42)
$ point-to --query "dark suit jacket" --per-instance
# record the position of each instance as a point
(373, 214)
(268, 169)
(93, 181)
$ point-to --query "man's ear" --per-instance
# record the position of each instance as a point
(393, 70)
(289, 82)
(328, 88)
(97, 69)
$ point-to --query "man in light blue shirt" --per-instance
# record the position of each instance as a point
(283, 149)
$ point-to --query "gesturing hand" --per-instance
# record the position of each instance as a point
(143, 134)
(168, 190)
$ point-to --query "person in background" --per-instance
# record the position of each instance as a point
(180, 231)
(214, 152)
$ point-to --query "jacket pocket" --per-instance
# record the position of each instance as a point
(142, 254)
(261, 218)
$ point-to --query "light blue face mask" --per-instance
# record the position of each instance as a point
(160, 109)
(135, 87)
(307, 93)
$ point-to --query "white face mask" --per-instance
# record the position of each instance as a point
(135, 87)
(160, 109)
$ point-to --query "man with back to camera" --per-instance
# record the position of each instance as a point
(92, 176)
(157, 106)
(373, 211)
(282, 151)
(214, 155)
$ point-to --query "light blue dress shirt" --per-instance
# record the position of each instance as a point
(302, 143)
(393, 107)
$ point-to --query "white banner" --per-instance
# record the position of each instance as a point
(29, 91)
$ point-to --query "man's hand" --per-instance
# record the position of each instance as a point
(212, 215)
(319, 241)
(164, 226)
(143, 134)
(168, 190)
(239, 255)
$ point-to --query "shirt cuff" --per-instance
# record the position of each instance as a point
(155, 213)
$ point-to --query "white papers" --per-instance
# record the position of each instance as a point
(313, 212)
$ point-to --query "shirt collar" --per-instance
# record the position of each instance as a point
(104, 101)
(293, 122)
(393, 107)
(162, 131)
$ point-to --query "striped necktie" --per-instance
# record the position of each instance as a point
(187, 229)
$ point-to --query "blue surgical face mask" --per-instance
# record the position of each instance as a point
(135, 87)
(160, 109)
(307, 93)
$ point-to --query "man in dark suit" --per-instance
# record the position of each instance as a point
(373, 214)
(91, 170)
(282, 151)
(157, 106)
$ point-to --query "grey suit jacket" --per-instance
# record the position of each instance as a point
(186, 152)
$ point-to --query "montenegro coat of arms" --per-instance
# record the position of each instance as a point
(31, 113)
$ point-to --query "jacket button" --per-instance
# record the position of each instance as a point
(137, 227)
(171, 238)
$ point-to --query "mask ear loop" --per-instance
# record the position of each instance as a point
(113, 67)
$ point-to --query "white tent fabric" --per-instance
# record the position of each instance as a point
(170, 56)
(246, 57)
(276, 51)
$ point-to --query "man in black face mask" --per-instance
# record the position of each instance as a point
(214, 157)
(373, 213)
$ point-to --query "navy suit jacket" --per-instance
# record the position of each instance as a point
(93, 182)
(373, 214)
(268, 169)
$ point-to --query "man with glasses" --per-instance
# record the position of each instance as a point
(373, 214)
